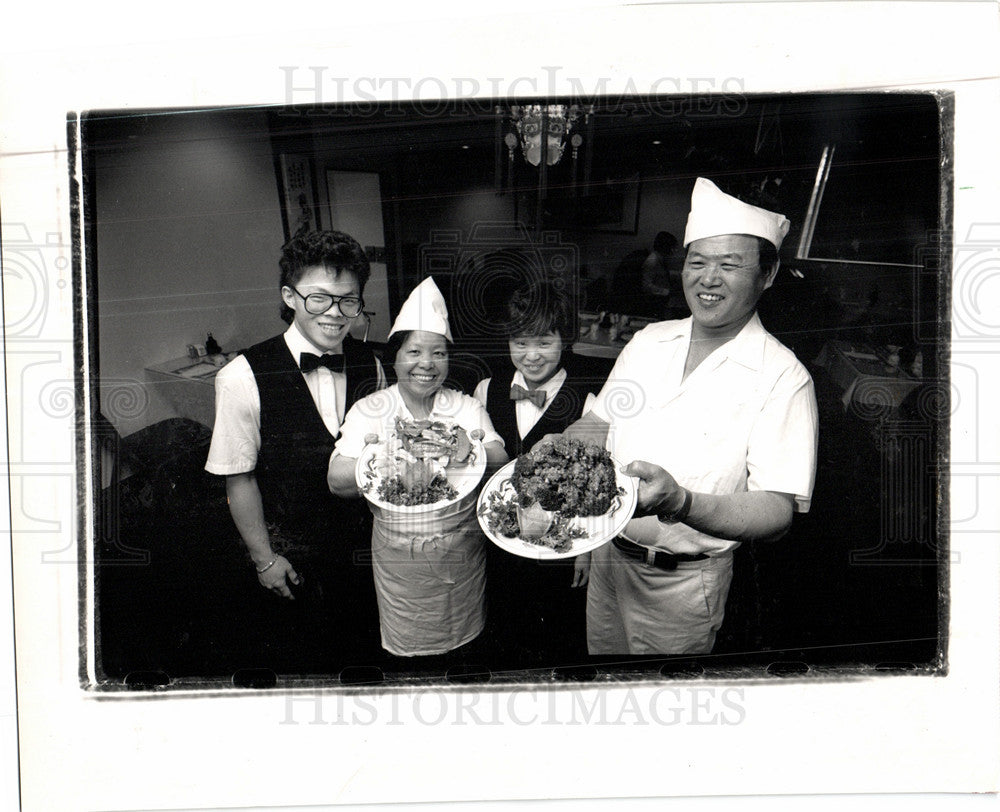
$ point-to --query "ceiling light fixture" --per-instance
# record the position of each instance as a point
(541, 132)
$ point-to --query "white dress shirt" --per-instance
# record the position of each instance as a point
(236, 434)
(377, 413)
(744, 420)
(528, 414)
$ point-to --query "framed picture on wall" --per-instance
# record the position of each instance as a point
(611, 206)
(298, 203)
(614, 206)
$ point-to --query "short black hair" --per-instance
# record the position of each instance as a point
(664, 242)
(393, 345)
(768, 254)
(540, 308)
(333, 250)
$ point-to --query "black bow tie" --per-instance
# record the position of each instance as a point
(308, 362)
(536, 396)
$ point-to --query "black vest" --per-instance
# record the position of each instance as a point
(566, 407)
(296, 446)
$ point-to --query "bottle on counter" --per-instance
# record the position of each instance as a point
(215, 354)
(892, 361)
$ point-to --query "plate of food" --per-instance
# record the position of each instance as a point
(421, 466)
(561, 500)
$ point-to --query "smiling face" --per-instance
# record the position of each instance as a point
(536, 357)
(723, 281)
(327, 330)
(421, 364)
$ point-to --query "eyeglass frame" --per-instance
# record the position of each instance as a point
(334, 300)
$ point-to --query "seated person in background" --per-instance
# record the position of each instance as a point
(661, 278)
(643, 281)
(593, 291)
(430, 567)
(536, 610)
(279, 407)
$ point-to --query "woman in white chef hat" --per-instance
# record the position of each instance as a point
(429, 568)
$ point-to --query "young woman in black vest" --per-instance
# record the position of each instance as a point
(536, 610)
(279, 406)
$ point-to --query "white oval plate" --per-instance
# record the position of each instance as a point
(599, 529)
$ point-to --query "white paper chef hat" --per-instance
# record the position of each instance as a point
(714, 213)
(424, 309)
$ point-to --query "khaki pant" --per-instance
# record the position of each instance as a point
(634, 608)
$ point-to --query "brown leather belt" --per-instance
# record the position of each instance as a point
(660, 559)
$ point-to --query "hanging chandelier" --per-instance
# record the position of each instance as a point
(554, 120)
(541, 132)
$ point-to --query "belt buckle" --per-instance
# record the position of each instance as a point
(650, 556)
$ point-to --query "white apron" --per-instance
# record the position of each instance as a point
(430, 578)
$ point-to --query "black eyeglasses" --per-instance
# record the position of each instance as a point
(319, 303)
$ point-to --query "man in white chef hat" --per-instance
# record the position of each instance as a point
(718, 422)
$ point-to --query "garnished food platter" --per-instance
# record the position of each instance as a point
(560, 501)
(420, 466)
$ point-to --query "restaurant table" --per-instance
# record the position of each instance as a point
(605, 342)
(865, 376)
(188, 384)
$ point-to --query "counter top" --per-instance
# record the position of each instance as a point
(192, 369)
(606, 342)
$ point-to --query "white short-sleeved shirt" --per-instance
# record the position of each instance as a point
(376, 414)
(236, 434)
(744, 420)
(526, 412)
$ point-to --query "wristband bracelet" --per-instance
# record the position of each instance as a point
(266, 567)
(681, 513)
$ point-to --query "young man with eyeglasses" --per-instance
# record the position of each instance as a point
(279, 407)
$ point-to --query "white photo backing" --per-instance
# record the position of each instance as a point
(225, 747)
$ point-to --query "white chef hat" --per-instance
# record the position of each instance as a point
(714, 213)
(424, 309)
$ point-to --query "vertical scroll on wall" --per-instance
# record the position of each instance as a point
(298, 203)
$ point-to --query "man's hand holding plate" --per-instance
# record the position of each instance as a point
(659, 492)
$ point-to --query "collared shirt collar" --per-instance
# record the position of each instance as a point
(443, 405)
(672, 330)
(746, 347)
(298, 343)
(550, 387)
